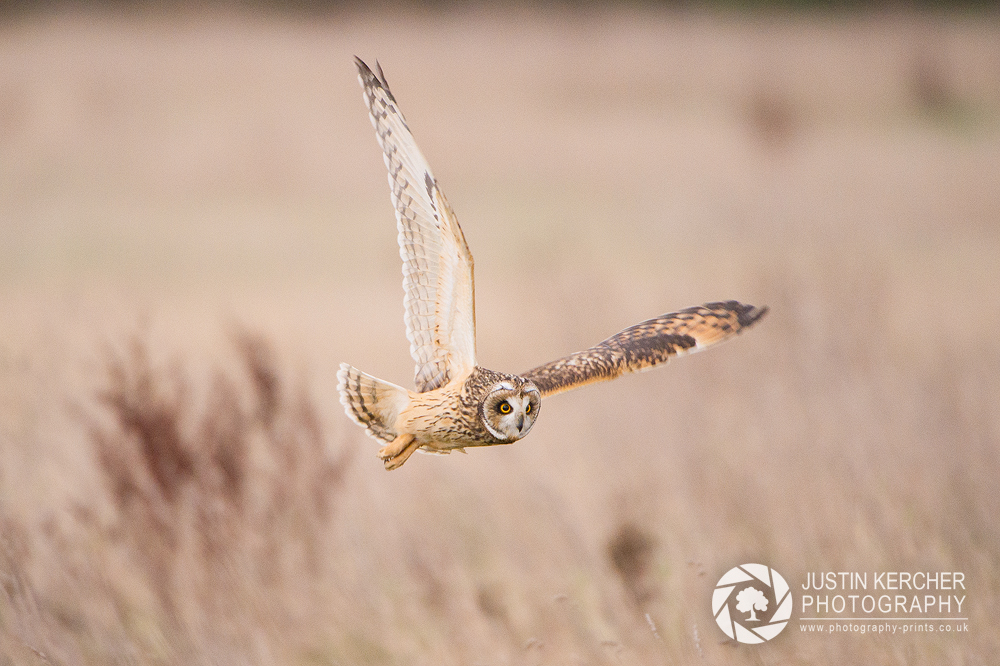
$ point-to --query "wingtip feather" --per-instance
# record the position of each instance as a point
(748, 315)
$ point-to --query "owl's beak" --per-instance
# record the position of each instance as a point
(520, 422)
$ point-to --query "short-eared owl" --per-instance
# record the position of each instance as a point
(457, 403)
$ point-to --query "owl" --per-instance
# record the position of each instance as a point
(457, 403)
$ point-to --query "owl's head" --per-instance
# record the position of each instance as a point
(510, 408)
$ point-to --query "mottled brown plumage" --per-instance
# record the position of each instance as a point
(646, 345)
(458, 404)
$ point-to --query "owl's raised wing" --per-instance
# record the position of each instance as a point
(646, 345)
(439, 301)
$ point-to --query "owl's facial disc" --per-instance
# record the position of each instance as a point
(508, 412)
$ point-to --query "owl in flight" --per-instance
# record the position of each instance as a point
(457, 403)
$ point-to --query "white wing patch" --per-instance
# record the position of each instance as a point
(439, 301)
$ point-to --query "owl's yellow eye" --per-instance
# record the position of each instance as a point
(505, 407)
(527, 410)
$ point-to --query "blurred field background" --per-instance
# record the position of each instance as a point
(196, 230)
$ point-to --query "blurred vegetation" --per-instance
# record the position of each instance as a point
(13, 8)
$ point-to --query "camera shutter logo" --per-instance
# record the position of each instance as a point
(752, 603)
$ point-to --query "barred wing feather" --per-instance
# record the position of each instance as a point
(646, 345)
(439, 301)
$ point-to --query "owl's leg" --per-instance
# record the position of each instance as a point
(398, 450)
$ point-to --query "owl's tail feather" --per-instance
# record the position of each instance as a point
(372, 403)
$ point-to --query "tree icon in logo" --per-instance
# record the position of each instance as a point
(749, 600)
(751, 588)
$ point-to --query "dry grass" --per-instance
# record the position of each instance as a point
(216, 521)
(187, 495)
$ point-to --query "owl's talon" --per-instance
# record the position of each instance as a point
(393, 463)
(395, 453)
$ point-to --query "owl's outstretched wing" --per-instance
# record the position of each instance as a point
(646, 345)
(439, 301)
